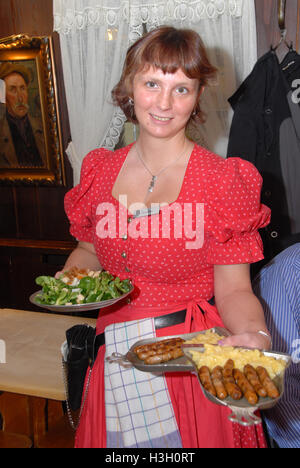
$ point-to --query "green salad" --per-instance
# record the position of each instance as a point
(91, 288)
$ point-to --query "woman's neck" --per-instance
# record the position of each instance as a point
(159, 152)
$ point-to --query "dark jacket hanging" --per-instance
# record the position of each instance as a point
(265, 130)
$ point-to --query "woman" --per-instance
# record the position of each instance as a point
(195, 242)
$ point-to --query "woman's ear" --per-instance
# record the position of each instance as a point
(201, 90)
(197, 106)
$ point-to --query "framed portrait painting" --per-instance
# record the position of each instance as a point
(30, 135)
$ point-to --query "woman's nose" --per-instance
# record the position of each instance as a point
(165, 100)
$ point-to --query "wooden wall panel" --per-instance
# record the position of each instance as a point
(52, 215)
(33, 17)
(6, 19)
(27, 213)
(8, 221)
(268, 32)
(6, 292)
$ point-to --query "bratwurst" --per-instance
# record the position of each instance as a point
(160, 351)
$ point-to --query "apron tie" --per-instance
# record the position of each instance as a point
(201, 316)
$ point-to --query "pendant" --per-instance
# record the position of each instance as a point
(152, 183)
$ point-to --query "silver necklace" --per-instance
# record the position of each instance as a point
(155, 177)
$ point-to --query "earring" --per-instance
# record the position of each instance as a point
(131, 102)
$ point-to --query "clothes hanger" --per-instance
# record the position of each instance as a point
(284, 41)
(281, 24)
(291, 61)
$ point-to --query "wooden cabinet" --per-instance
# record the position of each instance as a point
(5, 282)
(22, 262)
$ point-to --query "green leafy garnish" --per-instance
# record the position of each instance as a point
(89, 289)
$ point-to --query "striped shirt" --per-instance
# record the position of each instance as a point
(278, 287)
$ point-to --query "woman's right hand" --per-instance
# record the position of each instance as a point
(83, 256)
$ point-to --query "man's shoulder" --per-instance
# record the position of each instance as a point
(35, 122)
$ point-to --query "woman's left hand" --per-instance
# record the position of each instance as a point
(248, 340)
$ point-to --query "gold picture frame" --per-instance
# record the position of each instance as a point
(30, 135)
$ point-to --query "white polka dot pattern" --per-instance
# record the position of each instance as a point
(164, 270)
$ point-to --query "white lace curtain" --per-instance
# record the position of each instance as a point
(94, 37)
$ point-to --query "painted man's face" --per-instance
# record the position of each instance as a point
(16, 95)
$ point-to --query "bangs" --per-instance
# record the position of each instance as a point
(168, 58)
(173, 51)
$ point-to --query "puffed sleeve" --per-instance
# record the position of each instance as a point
(78, 201)
(235, 214)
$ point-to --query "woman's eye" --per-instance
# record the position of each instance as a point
(151, 84)
(182, 90)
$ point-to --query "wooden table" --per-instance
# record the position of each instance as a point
(33, 360)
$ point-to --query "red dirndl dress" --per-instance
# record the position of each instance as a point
(168, 276)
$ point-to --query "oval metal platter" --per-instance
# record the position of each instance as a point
(241, 411)
(78, 307)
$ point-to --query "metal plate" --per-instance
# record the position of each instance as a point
(182, 364)
(242, 411)
(78, 307)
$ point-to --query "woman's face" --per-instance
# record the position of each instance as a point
(163, 103)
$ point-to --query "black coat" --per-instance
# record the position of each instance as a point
(262, 119)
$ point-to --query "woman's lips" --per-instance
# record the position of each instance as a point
(161, 119)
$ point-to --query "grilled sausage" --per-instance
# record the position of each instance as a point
(157, 345)
(206, 381)
(267, 382)
(217, 380)
(172, 353)
(232, 389)
(228, 368)
(143, 355)
(245, 386)
(252, 377)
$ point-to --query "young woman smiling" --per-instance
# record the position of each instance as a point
(160, 90)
